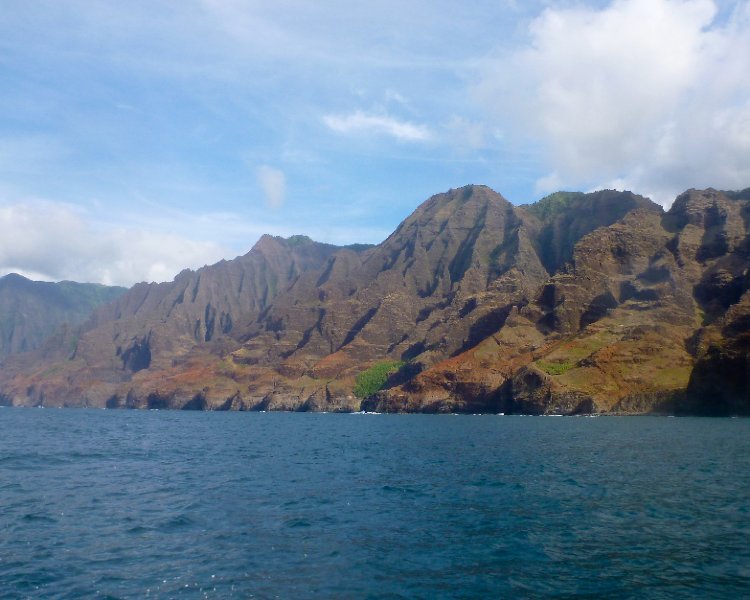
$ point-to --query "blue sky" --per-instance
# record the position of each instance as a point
(140, 138)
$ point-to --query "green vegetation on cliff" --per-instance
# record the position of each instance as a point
(373, 379)
(555, 368)
(552, 205)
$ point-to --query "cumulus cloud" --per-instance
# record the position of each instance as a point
(647, 94)
(362, 123)
(54, 241)
(273, 184)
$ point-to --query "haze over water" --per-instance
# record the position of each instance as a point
(131, 504)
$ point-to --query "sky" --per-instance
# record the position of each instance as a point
(140, 138)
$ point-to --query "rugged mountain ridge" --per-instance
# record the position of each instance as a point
(578, 303)
(33, 310)
(153, 325)
(618, 329)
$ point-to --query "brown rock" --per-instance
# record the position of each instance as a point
(579, 303)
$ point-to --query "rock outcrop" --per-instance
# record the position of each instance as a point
(579, 303)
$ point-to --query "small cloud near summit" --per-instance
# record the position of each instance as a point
(273, 183)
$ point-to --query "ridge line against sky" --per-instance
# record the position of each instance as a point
(139, 139)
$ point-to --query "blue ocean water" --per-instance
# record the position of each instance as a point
(134, 504)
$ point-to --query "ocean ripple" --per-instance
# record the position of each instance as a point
(159, 504)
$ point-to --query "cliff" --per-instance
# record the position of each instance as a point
(578, 303)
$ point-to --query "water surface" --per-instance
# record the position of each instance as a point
(132, 504)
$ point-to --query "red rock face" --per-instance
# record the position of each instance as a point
(579, 303)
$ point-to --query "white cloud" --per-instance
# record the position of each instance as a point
(54, 241)
(363, 123)
(273, 184)
(464, 133)
(552, 182)
(154, 256)
(649, 93)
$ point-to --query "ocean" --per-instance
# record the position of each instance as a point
(168, 504)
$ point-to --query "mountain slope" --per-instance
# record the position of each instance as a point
(618, 329)
(152, 326)
(31, 311)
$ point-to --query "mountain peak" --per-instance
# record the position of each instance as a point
(267, 241)
(703, 207)
(14, 278)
